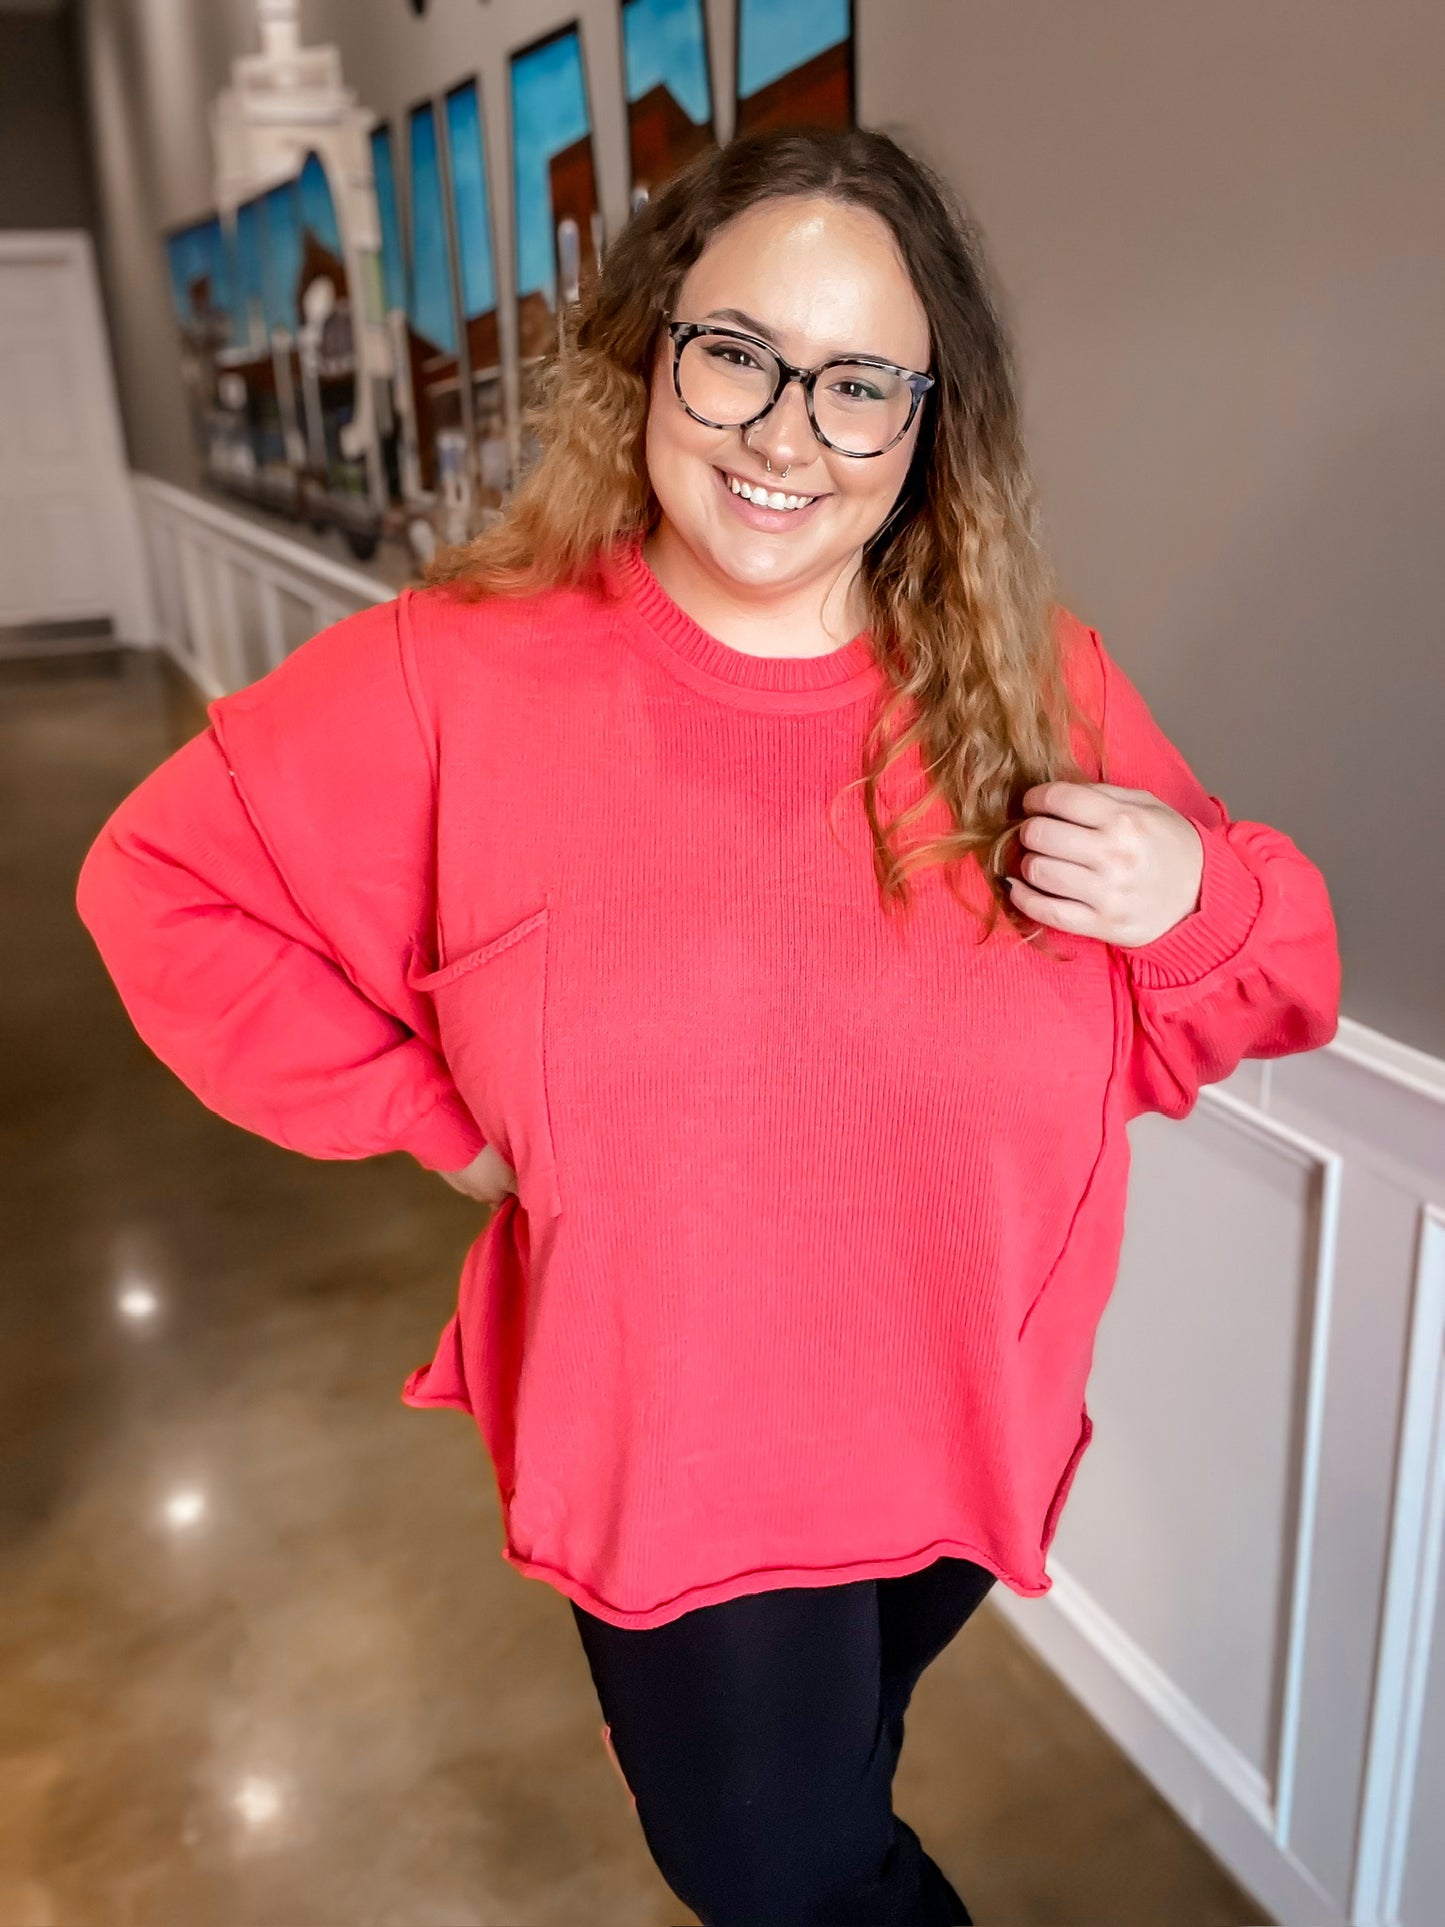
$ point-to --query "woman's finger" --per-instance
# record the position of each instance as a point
(1059, 877)
(1060, 913)
(1052, 836)
(1091, 803)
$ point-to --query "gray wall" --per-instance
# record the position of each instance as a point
(44, 178)
(1220, 227)
(1218, 231)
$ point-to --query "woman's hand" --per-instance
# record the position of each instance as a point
(1106, 862)
(488, 1178)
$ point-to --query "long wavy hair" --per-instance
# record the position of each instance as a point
(958, 590)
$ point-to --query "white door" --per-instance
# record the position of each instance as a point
(70, 543)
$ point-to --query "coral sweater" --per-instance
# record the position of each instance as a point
(818, 1207)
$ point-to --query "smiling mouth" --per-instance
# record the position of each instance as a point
(765, 498)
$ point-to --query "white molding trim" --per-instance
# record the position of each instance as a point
(1174, 1709)
(1246, 1811)
(1329, 1165)
(1374, 1050)
(1212, 1787)
(201, 551)
(1267, 1798)
(241, 532)
(1417, 1546)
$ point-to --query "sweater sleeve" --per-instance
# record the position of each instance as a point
(257, 898)
(1254, 969)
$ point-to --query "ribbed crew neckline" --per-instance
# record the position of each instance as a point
(796, 683)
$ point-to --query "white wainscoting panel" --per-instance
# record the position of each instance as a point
(1400, 1875)
(1247, 1573)
(235, 597)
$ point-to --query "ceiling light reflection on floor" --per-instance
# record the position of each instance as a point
(138, 1303)
(257, 1800)
(184, 1508)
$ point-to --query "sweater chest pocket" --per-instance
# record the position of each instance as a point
(491, 1008)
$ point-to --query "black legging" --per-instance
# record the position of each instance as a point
(759, 1739)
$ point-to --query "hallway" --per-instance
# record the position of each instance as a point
(261, 1662)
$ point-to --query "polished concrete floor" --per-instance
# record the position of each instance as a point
(260, 1662)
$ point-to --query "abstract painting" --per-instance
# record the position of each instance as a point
(431, 302)
(556, 219)
(794, 63)
(340, 336)
(203, 283)
(472, 225)
(669, 88)
(396, 425)
(252, 452)
(326, 345)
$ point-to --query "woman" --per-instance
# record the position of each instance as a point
(645, 875)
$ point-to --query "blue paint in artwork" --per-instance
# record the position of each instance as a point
(549, 112)
(250, 276)
(393, 261)
(177, 262)
(663, 41)
(222, 264)
(282, 259)
(318, 210)
(194, 253)
(185, 266)
(430, 308)
(469, 200)
(774, 36)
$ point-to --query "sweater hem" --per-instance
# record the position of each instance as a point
(764, 1579)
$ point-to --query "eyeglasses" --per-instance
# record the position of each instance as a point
(727, 379)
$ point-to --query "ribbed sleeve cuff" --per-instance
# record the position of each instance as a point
(1229, 900)
(446, 1137)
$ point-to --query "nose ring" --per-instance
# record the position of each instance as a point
(786, 472)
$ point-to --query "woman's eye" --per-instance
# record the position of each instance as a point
(735, 357)
(854, 390)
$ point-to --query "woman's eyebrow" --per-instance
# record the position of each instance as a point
(756, 327)
(748, 321)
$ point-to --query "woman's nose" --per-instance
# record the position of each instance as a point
(785, 435)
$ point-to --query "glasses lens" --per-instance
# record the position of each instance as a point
(860, 409)
(725, 380)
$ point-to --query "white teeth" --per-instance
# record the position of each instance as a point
(769, 498)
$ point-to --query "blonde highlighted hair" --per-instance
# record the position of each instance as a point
(959, 594)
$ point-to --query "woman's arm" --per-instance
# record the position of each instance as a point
(1254, 970)
(256, 898)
